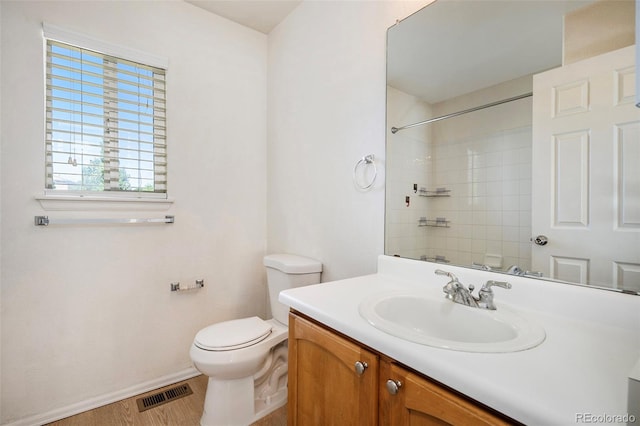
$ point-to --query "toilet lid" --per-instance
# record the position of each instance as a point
(234, 334)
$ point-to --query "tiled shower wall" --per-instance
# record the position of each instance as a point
(489, 208)
(483, 159)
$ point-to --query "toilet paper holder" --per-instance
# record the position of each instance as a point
(177, 287)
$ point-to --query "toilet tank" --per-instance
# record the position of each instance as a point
(286, 271)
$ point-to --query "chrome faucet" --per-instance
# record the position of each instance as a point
(456, 291)
(481, 266)
(516, 270)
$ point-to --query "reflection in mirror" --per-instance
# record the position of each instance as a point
(513, 139)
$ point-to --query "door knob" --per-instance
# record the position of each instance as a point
(540, 240)
(360, 367)
(393, 386)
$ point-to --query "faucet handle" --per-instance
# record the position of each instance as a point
(491, 283)
(446, 273)
(485, 295)
(452, 287)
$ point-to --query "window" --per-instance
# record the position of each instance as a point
(105, 123)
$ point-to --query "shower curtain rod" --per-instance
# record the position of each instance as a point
(455, 114)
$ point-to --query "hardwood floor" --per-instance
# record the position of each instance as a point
(185, 411)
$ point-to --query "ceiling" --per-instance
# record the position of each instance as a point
(261, 15)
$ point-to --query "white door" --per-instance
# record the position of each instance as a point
(586, 172)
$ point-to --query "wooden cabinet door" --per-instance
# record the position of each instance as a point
(420, 402)
(325, 388)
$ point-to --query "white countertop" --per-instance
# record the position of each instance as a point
(579, 372)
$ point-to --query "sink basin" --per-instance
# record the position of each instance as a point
(441, 323)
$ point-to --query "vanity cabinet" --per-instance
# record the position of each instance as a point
(407, 398)
(334, 381)
(326, 388)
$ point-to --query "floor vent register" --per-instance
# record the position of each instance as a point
(168, 395)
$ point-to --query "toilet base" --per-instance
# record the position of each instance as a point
(232, 409)
(270, 390)
(276, 401)
(243, 401)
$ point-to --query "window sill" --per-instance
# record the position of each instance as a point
(92, 203)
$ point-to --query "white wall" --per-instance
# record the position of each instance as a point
(409, 162)
(80, 323)
(86, 310)
(326, 111)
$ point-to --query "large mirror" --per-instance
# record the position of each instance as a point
(513, 141)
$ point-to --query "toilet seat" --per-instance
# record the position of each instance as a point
(234, 334)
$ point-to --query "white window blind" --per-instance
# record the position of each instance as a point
(105, 123)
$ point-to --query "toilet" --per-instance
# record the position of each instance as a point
(246, 359)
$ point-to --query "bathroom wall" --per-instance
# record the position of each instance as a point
(409, 162)
(326, 111)
(600, 27)
(86, 310)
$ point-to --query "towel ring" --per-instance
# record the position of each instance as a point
(367, 159)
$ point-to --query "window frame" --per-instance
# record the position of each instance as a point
(81, 41)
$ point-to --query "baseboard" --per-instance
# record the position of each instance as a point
(90, 404)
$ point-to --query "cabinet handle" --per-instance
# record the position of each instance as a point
(393, 386)
(360, 367)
